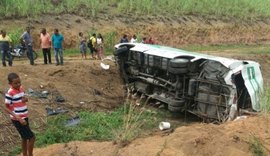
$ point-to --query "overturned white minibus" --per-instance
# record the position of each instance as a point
(210, 87)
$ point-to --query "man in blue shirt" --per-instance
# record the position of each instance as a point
(28, 41)
(57, 40)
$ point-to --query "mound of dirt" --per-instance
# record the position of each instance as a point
(175, 32)
(83, 85)
(231, 139)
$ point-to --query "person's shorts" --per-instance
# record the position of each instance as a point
(24, 130)
(82, 48)
(93, 50)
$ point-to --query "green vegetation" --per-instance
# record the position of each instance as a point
(241, 9)
(122, 125)
(265, 100)
(256, 146)
(238, 48)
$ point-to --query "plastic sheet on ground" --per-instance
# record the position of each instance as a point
(72, 121)
(51, 111)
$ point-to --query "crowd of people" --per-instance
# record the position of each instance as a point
(95, 44)
(134, 39)
(46, 42)
(15, 97)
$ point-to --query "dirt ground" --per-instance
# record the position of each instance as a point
(101, 90)
(84, 85)
(230, 139)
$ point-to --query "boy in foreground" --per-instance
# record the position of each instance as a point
(15, 102)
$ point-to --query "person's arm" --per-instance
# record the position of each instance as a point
(52, 40)
(40, 39)
(22, 121)
(10, 42)
(22, 38)
(7, 108)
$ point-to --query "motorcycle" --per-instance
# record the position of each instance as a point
(20, 51)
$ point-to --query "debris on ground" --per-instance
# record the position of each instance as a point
(240, 117)
(104, 66)
(73, 121)
(51, 111)
(39, 94)
(59, 98)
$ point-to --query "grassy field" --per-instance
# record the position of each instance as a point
(242, 9)
(121, 126)
(239, 48)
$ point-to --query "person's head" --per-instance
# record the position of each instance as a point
(134, 36)
(94, 34)
(3, 33)
(80, 34)
(27, 29)
(43, 31)
(99, 35)
(14, 80)
(125, 36)
(56, 31)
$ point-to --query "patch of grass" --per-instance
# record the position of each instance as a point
(135, 123)
(15, 35)
(123, 124)
(71, 52)
(16, 151)
(110, 39)
(256, 146)
(265, 100)
(240, 9)
(239, 48)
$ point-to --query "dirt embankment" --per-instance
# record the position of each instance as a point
(230, 139)
(83, 84)
(174, 32)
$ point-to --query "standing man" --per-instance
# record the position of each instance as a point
(28, 41)
(5, 45)
(57, 40)
(124, 39)
(45, 42)
(93, 45)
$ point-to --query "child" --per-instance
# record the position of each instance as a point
(82, 45)
(100, 47)
(15, 102)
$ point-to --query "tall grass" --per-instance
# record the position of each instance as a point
(243, 9)
(256, 146)
(15, 35)
(120, 125)
(110, 39)
(265, 100)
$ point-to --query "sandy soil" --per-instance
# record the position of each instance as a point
(230, 139)
(77, 81)
(174, 32)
